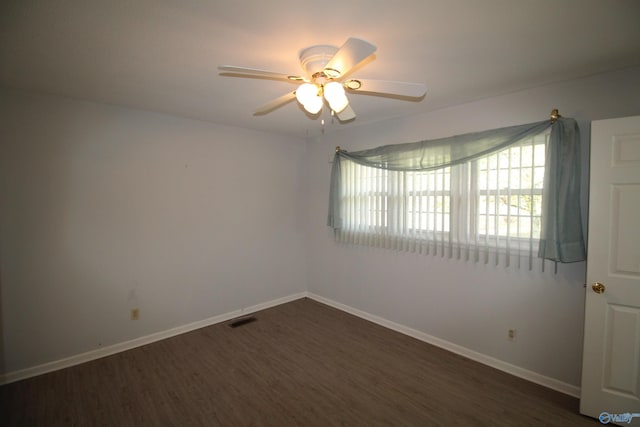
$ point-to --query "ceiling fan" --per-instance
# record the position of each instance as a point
(325, 70)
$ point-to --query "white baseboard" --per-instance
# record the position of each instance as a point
(22, 374)
(517, 371)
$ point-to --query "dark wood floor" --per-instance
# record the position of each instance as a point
(299, 364)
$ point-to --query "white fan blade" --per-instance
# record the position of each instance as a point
(278, 102)
(412, 90)
(346, 114)
(350, 54)
(255, 72)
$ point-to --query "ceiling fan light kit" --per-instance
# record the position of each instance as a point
(309, 95)
(325, 66)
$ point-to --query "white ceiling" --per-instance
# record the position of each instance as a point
(163, 55)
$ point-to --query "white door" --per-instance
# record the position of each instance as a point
(611, 359)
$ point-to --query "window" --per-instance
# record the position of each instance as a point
(510, 191)
(492, 202)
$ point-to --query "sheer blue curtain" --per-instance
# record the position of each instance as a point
(561, 238)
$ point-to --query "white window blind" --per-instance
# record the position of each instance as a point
(491, 205)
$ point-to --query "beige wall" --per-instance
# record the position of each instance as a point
(104, 209)
(466, 304)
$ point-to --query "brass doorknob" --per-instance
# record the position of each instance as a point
(598, 288)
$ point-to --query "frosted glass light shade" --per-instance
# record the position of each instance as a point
(305, 92)
(335, 96)
(307, 95)
(313, 105)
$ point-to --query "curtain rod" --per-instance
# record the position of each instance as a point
(555, 114)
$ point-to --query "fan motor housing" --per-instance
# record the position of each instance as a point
(314, 58)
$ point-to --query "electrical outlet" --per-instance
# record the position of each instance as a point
(511, 334)
(135, 313)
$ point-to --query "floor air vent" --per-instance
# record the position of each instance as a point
(242, 321)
